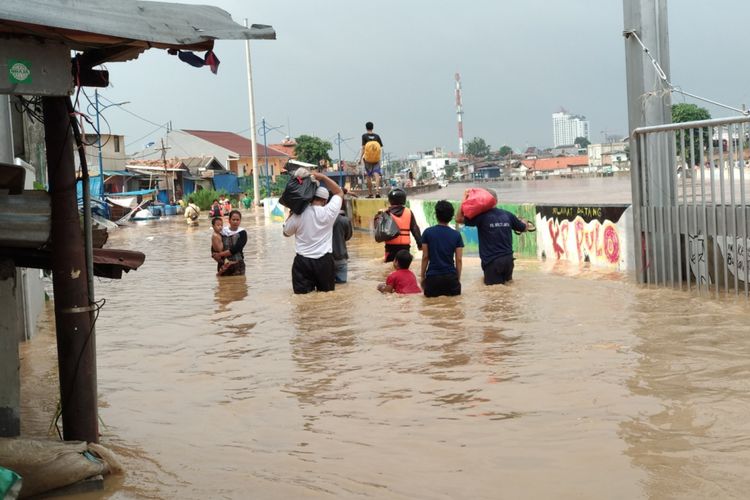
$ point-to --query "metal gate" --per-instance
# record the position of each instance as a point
(690, 211)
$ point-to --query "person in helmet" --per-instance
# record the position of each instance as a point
(405, 220)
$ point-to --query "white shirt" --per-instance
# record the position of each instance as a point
(313, 228)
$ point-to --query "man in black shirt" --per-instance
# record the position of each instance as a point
(372, 147)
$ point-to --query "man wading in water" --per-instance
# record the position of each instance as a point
(313, 267)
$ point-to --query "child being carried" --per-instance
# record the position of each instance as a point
(219, 245)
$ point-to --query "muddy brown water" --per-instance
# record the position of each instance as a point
(569, 383)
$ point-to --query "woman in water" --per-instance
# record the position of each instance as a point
(234, 238)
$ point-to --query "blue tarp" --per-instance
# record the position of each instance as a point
(97, 206)
(95, 187)
(188, 186)
(141, 192)
(227, 182)
(163, 196)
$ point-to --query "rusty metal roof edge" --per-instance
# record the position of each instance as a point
(172, 24)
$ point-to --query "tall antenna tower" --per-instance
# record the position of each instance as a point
(459, 115)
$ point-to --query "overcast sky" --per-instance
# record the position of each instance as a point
(337, 64)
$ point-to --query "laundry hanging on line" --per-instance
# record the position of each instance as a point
(197, 61)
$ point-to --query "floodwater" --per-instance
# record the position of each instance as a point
(583, 190)
(569, 383)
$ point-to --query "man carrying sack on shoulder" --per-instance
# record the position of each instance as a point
(313, 267)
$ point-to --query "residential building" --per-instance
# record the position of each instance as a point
(113, 152)
(232, 151)
(562, 165)
(566, 128)
(607, 155)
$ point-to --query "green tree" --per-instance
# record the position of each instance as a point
(582, 142)
(505, 151)
(684, 112)
(477, 147)
(312, 149)
(450, 170)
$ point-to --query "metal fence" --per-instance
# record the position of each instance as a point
(690, 210)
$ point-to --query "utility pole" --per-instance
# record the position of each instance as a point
(76, 344)
(459, 115)
(99, 146)
(649, 103)
(163, 150)
(253, 140)
(339, 140)
(265, 154)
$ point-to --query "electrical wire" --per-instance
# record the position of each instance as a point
(673, 88)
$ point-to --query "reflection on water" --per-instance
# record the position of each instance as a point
(567, 384)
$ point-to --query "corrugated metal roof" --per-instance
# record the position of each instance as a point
(239, 145)
(87, 24)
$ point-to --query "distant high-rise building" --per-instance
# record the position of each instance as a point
(566, 128)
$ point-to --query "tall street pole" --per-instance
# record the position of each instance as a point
(341, 165)
(76, 346)
(253, 140)
(265, 154)
(99, 146)
(649, 103)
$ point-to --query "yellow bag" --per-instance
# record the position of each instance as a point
(372, 152)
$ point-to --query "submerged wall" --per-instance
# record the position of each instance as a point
(598, 235)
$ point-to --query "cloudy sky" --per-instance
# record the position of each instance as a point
(337, 64)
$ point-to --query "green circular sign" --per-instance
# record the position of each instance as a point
(20, 72)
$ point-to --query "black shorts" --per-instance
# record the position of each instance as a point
(392, 250)
(499, 271)
(445, 284)
(309, 274)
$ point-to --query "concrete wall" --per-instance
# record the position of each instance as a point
(599, 235)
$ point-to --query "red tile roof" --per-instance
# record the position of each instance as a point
(557, 163)
(286, 148)
(233, 142)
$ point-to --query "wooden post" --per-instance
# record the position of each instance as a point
(76, 346)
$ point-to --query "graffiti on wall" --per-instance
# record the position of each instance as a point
(524, 245)
(734, 251)
(582, 234)
(698, 261)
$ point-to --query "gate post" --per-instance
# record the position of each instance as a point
(650, 103)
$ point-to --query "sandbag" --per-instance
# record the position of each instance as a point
(477, 201)
(47, 465)
(298, 193)
(385, 227)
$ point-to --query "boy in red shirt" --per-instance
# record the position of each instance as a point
(401, 280)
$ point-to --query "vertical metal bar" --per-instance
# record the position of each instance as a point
(662, 229)
(722, 189)
(699, 162)
(704, 215)
(75, 341)
(668, 205)
(743, 206)
(715, 244)
(651, 217)
(731, 152)
(635, 175)
(685, 171)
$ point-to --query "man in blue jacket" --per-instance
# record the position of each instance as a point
(495, 231)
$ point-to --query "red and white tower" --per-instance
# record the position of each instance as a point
(459, 115)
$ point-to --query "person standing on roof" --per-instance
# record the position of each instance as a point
(372, 149)
(406, 222)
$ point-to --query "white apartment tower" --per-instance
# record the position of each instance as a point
(566, 128)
